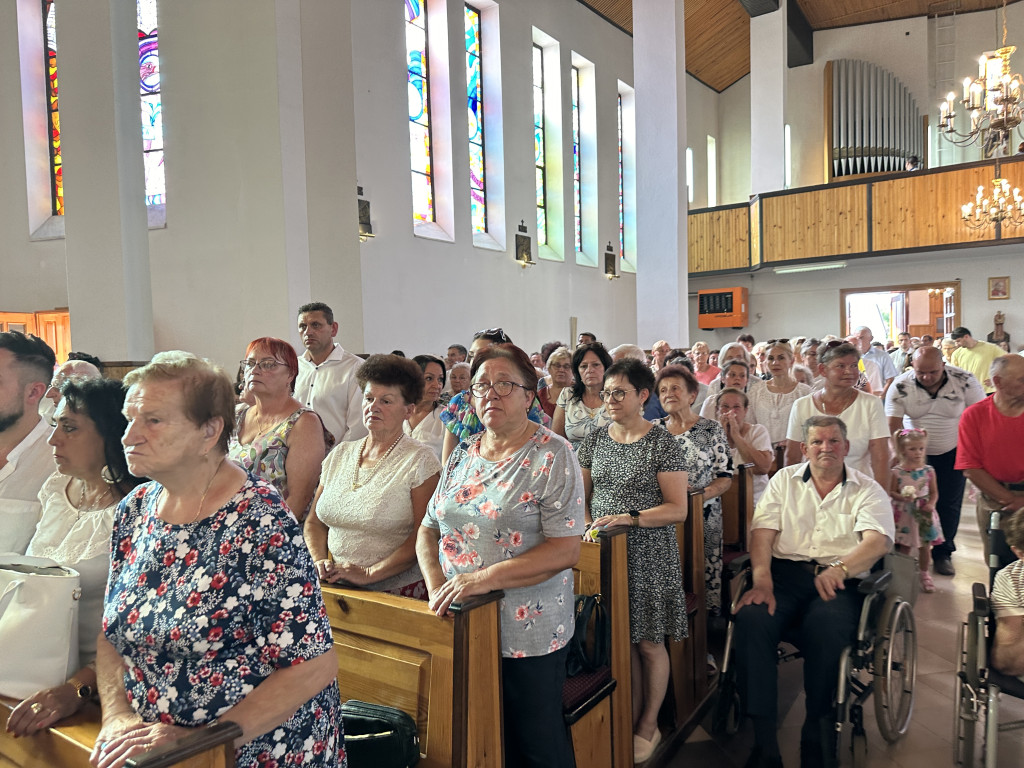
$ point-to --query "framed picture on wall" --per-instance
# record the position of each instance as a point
(999, 287)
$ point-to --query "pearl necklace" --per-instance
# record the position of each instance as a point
(356, 485)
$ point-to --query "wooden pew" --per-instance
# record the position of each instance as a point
(69, 743)
(445, 673)
(738, 509)
(780, 458)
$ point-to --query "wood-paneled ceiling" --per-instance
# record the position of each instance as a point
(718, 31)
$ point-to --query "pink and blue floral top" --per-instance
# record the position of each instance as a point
(490, 511)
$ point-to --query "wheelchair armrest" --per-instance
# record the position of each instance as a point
(875, 582)
(980, 596)
(738, 565)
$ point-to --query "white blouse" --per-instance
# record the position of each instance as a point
(430, 431)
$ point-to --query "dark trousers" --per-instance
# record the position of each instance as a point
(535, 730)
(951, 484)
(818, 628)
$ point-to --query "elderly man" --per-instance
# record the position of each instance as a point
(1008, 604)
(989, 439)
(933, 396)
(26, 363)
(818, 526)
(974, 356)
(876, 355)
(72, 370)
(902, 355)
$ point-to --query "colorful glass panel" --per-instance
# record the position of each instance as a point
(538, 143)
(577, 192)
(475, 111)
(419, 110)
(53, 113)
(622, 189)
(149, 92)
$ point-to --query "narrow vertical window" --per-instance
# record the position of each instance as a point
(53, 113)
(712, 172)
(689, 175)
(577, 189)
(622, 184)
(475, 111)
(419, 110)
(538, 143)
(149, 93)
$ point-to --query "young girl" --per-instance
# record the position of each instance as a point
(914, 493)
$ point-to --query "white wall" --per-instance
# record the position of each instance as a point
(734, 147)
(702, 121)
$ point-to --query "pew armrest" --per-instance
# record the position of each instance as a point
(203, 739)
(476, 601)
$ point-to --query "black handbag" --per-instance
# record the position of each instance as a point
(379, 737)
(590, 646)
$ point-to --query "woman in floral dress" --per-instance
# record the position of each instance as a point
(213, 610)
(508, 514)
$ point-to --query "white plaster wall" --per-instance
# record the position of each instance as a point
(702, 121)
(734, 146)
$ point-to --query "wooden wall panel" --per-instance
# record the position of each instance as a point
(718, 240)
(921, 210)
(821, 222)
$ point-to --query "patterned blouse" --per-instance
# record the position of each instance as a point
(706, 454)
(580, 420)
(490, 511)
(202, 613)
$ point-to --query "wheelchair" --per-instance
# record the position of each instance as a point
(978, 687)
(881, 663)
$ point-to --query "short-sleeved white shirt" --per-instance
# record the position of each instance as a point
(940, 413)
(864, 419)
(28, 466)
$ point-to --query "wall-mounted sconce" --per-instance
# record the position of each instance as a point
(365, 228)
(609, 263)
(524, 247)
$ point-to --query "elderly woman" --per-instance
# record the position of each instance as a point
(559, 377)
(373, 492)
(213, 610)
(736, 374)
(867, 429)
(809, 353)
(459, 377)
(702, 368)
(79, 501)
(634, 474)
(708, 468)
(734, 351)
(278, 439)
(424, 424)
(580, 408)
(770, 405)
(508, 514)
(748, 443)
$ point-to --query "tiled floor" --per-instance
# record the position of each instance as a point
(928, 744)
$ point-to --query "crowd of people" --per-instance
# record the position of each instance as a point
(203, 514)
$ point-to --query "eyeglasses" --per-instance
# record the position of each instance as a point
(266, 364)
(773, 342)
(618, 395)
(501, 388)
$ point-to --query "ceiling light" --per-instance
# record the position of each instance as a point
(810, 267)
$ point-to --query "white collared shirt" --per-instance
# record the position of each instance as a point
(821, 529)
(28, 465)
(940, 413)
(332, 391)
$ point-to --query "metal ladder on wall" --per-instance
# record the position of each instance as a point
(943, 75)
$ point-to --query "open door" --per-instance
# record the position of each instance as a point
(898, 314)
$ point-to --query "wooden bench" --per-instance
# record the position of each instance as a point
(69, 743)
(445, 673)
(738, 509)
(780, 458)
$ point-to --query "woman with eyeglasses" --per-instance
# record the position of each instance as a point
(508, 514)
(748, 443)
(278, 439)
(635, 475)
(809, 354)
(579, 408)
(559, 366)
(736, 374)
(770, 405)
(374, 492)
(732, 351)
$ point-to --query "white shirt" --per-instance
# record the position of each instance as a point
(27, 468)
(864, 419)
(886, 367)
(430, 431)
(813, 528)
(874, 375)
(940, 413)
(759, 440)
(332, 391)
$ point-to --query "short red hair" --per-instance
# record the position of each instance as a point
(279, 349)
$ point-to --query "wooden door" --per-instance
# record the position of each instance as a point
(18, 321)
(899, 310)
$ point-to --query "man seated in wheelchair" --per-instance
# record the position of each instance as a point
(1008, 604)
(818, 527)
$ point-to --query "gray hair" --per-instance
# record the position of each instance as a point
(459, 367)
(630, 351)
(823, 421)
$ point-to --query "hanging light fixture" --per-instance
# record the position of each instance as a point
(1002, 205)
(992, 100)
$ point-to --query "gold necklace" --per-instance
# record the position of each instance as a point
(203, 498)
(356, 485)
(92, 506)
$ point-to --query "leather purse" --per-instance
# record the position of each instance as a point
(38, 624)
(377, 736)
(590, 646)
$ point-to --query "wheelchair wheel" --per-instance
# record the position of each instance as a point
(964, 722)
(895, 669)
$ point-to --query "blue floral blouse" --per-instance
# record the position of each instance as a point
(203, 613)
(489, 511)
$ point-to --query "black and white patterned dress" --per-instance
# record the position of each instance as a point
(625, 478)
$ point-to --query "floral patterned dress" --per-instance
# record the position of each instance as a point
(915, 527)
(203, 613)
(490, 511)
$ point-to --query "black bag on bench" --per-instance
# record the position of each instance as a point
(379, 737)
(590, 646)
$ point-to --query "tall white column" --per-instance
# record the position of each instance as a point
(659, 74)
(768, 69)
(107, 237)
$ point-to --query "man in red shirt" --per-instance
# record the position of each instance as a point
(988, 445)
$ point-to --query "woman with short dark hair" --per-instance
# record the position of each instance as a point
(579, 408)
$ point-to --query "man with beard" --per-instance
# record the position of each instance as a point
(26, 364)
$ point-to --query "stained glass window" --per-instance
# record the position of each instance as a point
(538, 143)
(622, 189)
(53, 113)
(149, 92)
(419, 110)
(577, 190)
(475, 110)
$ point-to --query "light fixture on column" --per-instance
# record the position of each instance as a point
(609, 263)
(1001, 206)
(524, 246)
(992, 101)
(365, 228)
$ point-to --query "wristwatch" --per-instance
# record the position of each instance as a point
(84, 691)
(838, 563)
(634, 518)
